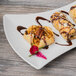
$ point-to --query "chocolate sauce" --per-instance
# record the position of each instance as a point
(69, 44)
(54, 19)
(68, 40)
(46, 47)
(56, 34)
(37, 20)
(26, 32)
(63, 28)
(64, 32)
(57, 19)
(19, 28)
(45, 40)
(73, 24)
(41, 18)
(39, 33)
(68, 24)
(64, 12)
(72, 7)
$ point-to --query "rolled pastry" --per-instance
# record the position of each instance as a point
(39, 36)
(72, 13)
(63, 25)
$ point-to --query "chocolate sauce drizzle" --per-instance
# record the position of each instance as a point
(64, 12)
(68, 39)
(69, 44)
(56, 34)
(41, 18)
(46, 47)
(72, 7)
(57, 18)
(39, 33)
(19, 28)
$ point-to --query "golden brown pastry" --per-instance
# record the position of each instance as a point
(39, 36)
(72, 13)
(65, 27)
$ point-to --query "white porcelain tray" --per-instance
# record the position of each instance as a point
(21, 47)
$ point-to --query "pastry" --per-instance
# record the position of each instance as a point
(64, 26)
(72, 13)
(40, 36)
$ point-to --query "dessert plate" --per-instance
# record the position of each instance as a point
(21, 46)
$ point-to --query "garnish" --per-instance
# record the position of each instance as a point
(34, 50)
